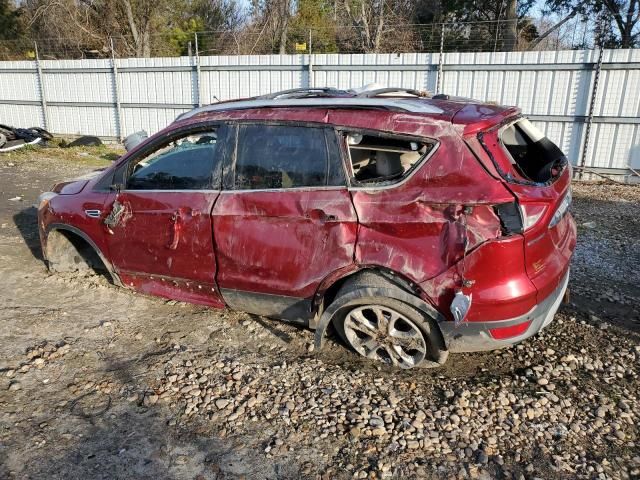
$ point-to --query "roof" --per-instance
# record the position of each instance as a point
(473, 114)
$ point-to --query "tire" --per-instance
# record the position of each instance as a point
(387, 329)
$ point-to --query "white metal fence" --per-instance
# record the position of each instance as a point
(113, 98)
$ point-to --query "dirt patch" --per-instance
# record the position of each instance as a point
(99, 382)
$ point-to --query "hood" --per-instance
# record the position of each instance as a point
(72, 187)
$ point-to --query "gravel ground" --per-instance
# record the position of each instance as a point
(99, 382)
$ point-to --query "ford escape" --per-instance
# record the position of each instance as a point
(413, 225)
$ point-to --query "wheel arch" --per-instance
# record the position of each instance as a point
(65, 230)
(330, 285)
(397, 287)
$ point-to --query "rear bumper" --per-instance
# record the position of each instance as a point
(476, 336)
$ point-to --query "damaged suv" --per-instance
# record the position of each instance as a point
(414, 225)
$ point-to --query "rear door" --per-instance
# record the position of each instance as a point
(160, 236)
(285, 220)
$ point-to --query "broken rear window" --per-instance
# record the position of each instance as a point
(533, 155)
(378, 159)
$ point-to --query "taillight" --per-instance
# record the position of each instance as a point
(562, 209)
(531, 214)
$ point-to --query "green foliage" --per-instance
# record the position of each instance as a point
(9, 21)
(315, 17)
(178, 37)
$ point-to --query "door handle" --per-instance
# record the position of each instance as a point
(92, 213)
(320, 216)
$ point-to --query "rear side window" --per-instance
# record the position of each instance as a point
(284, 156)
(532, 154)
(377, 159)
(186, 163)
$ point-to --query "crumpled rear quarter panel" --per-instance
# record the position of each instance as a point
(418, 228)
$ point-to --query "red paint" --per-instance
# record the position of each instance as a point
(298, 242)
(283, 243)
(165, 239)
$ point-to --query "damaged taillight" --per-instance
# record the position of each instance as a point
(510, 218)
(562, 209)
(531, 214)
(518, 218)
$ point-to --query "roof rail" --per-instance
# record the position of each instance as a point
(303, 93)
(389, 103)
(383, 91)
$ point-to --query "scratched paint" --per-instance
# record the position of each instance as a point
(283, 243)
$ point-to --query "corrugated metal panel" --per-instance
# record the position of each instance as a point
(77, 87)
(21, 115)
(552, 84)
(19, 86)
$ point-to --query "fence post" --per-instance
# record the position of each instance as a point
(440, 61)
(116, 92)
(43, 99)
(198, 79)
(592, 106)
(310, 65)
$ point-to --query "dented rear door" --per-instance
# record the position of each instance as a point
(279, 228)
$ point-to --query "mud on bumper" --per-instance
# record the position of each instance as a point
(477, 336)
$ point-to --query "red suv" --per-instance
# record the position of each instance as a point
(415, 225)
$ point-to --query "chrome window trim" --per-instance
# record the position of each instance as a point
(402, 181)
(292, 189)
(199, 190)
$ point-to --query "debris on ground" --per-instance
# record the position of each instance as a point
(16, 138)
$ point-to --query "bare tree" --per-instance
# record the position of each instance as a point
(511, 32)
(368, 18)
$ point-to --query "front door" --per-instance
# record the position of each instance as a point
(160, 234)
(286, 220)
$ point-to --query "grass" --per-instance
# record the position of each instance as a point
(98, 156)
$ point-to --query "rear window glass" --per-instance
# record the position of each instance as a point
(282, 156)
(533, 155)
(377, 159)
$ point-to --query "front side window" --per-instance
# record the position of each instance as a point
(284, 156)
(185, 163)
(378, 159)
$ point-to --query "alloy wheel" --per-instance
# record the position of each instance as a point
(384, 334)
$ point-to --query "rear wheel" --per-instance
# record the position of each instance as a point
(383, 328)
(384, 333)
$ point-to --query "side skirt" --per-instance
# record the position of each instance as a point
(291, 309)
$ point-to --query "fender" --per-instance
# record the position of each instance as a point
(339, 275)
(372, 292)
(62, 226)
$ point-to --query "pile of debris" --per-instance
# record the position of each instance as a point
(15, 138)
